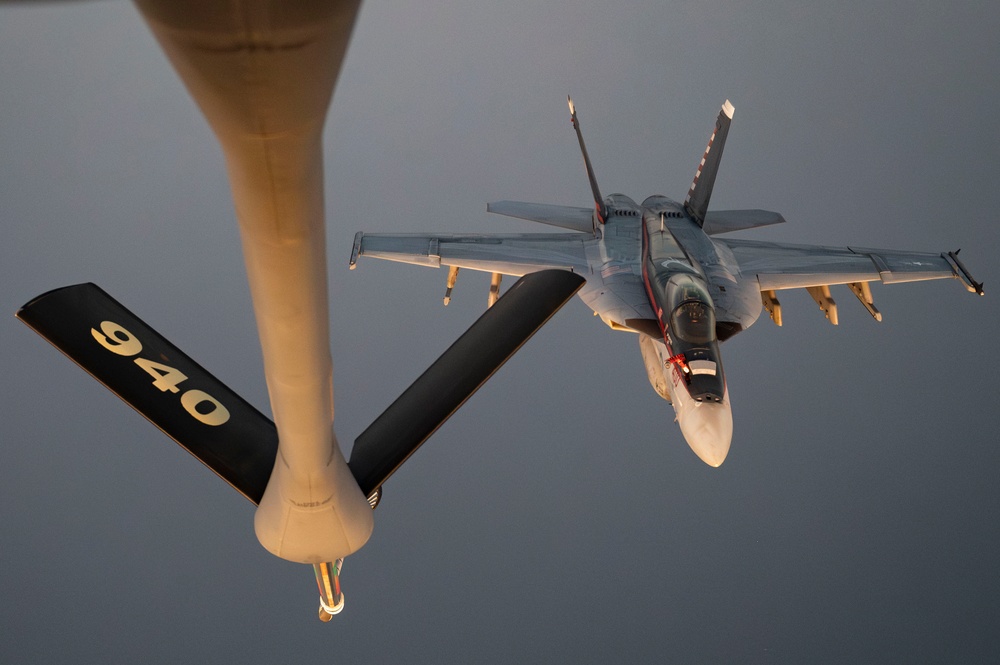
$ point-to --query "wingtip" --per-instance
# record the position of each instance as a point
(960, 271)
(728, 109)
(572, 107)
(356, 249)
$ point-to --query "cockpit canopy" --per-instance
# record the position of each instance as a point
(691, 332)
(693, 322)
(692, 313)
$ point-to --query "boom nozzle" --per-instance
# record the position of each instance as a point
(331, 598)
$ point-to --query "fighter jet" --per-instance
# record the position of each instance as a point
(659, 270)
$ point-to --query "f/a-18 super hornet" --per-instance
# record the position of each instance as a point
(660, 270)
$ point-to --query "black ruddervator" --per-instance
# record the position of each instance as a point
(237, 441)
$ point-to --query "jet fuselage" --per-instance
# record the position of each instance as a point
(686, 277)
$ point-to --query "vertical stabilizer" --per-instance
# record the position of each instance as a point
(602, 210)
(698, 196)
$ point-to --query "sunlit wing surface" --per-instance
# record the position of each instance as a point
(510, 254)
(788, 266)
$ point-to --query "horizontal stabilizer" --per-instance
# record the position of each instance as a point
(154, 377)
(725, 221)
(458, 373)
(566, 217)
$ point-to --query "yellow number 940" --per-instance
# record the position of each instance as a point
(120, 341)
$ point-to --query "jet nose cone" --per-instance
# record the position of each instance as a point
(708, 429)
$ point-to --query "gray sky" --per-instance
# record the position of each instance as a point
(559, 516)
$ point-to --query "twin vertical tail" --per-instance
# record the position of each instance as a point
(700, 193)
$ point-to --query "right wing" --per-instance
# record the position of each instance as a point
(508, 254)
(788, 266)
(815, 267)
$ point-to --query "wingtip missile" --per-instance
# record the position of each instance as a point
(572, 107)
(963, 273)
(356, 249)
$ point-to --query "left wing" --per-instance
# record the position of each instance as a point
(787, 266)
(508, 254)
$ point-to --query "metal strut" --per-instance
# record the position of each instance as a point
(494, 289)
(450, 284)
(821, 294)
(864, 294)
(772, 306)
